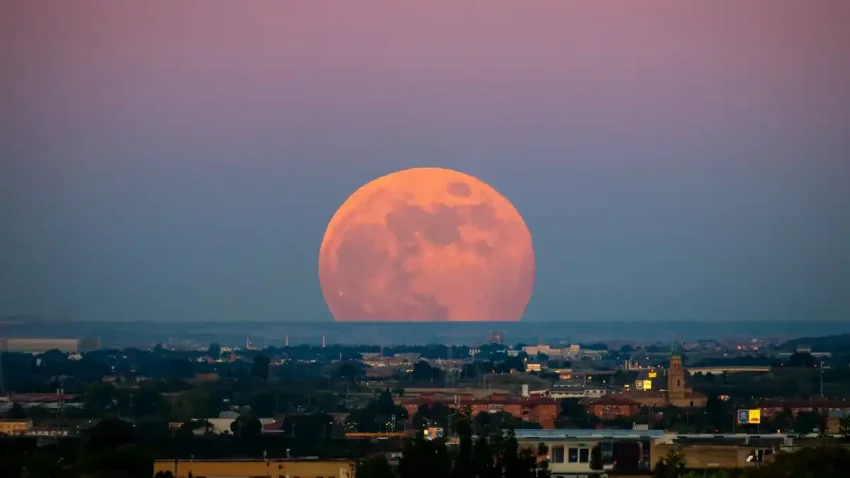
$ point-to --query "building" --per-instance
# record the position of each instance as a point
(677, 394)
(497, 337)
(533, 350)
(571, 450)
(770, 408)
(833, 421)
(205, 377)
(568, 389)
(734, 451)
(614, 406)
(39, 345)
(637, 452)
(275, 467)
(540, 410)
(15, 426)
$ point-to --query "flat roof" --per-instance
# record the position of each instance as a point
(565, 434)
(581, 433)
(247, 460)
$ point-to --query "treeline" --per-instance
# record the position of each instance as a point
(497, 455)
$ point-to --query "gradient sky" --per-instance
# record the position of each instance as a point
(674, 160)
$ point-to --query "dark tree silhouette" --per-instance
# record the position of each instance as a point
(260, 367)
(111, 433)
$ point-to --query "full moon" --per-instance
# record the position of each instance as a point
(426, 244)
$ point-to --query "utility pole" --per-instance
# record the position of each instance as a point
(60, 392)
(821, 379)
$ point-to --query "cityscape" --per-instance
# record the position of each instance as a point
(725, 407)
(439, 239)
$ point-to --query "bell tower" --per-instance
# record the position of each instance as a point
(676, 379)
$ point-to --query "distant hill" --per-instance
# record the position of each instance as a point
(831, 343)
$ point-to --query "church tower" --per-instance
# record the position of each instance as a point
(676, 380)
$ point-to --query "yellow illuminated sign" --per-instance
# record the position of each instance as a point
(653, 374)
(647, 384)
(749, 416)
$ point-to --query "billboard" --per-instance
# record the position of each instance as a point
(647, 384)
(749, 417)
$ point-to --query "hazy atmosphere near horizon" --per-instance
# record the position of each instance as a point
(180, 161)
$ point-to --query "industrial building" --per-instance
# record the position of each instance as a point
(638, 451)
(38, 345)
(275, 467)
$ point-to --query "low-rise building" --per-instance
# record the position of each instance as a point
(14, 426)
(39, 345)
(771, 408)
(295, 467)
(540, 410)
(637, 452)
(833, 421)
(730, 451)
(571, 389)
(570, 451)
(614, 406)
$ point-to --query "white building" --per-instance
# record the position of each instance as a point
(562, 390)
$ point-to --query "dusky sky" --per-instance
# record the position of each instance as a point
(180, 160)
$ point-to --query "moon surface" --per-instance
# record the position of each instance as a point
(426, 244)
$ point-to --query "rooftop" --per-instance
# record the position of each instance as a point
(568, 433)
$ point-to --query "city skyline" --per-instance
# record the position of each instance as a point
(672, 161)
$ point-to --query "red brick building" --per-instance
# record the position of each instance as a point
(771, 408)
(541, 410)
(614, 406)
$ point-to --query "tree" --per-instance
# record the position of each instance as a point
(596, 458)
(17, 411)
(111, 433)
(376, 467)
(815, 462)
(436, 413)
(423, 372)
(706, 474)
(187, 430)
(423, 458)
(798, 359)
(844, 426)
(260, 367)
(378, 414)
(575, 415)
(671, 466)
(349, 370)
(151, 432)
(194, 404)
(147, 401)
(214, 351)
(99, 398)
(246, 427)
(464, 463)
(124, 461)
(807, 422)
